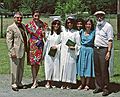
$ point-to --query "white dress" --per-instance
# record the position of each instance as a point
(52, 64)
(68, 56)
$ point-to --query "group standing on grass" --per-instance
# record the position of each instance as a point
(78, 50)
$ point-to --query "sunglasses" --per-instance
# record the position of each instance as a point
(19, 17)
(54, 23)
(36, 15)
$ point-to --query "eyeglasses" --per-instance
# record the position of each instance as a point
(36, 15)
(19, 17)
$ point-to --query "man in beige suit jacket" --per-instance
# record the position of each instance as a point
(16, 38)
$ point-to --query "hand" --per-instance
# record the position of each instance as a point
(13, 56)
(54, 47)
(107, 57)
(72, 47)
(43, 33)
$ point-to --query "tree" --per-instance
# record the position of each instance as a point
(69, 7)
(12, 5)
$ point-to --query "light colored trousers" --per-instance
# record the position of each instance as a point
(17, 69)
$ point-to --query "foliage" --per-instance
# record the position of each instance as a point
(71, 6)
(12, 5)
(61, 6)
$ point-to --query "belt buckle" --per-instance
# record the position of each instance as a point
(98, 47)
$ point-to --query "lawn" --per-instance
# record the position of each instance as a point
(4, 60)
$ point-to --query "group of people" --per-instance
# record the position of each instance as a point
(78, 49)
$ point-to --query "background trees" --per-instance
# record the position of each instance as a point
(61, 6)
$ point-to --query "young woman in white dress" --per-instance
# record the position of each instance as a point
(68, 54)
(52, 63)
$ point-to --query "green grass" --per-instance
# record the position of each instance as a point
(5, 65)
(9, 21)
(4, 60)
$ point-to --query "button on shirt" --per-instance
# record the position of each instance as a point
(103, 35)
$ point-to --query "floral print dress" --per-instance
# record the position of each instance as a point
(35, 41)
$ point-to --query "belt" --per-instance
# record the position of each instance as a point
(100, 47)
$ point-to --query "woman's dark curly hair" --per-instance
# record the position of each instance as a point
(59, 29)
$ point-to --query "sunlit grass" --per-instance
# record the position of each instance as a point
(4, 59)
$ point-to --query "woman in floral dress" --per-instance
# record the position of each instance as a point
(36, 30)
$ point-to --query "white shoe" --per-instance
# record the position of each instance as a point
(14, 85)
(68, 87)
(53, 86)
(47, 86)
(34, 86)
(62, 87)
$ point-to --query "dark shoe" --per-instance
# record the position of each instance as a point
(25, 87)
(22, 87)
(15, 89)
(105, 92)
(97, 91)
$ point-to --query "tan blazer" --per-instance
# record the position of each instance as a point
(15, 41)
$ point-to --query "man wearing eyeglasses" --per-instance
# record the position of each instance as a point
(16, 38)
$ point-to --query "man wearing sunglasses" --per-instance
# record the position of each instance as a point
(16, 39)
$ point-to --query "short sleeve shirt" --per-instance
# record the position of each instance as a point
(102, 36)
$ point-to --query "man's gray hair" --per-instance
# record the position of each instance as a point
(18, 13)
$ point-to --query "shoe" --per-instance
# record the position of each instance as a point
(80, 87)
(53, 86)
(25, 87)
(15, 89)
(22, 87)
(47, 86)
(105, 92)
(62, 87)
(97, 91)
(34, 86)
(68, 87)
(86, 88)
(19, 87)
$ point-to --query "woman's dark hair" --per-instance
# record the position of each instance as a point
(82, 21)
(59, 29)
(92, 24)
(72, 21)
(35, 11)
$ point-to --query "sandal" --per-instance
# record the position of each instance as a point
(62, 87)
(47, 86)
(34, 86)
(80, 87)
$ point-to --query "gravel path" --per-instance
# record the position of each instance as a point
(6, 91)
